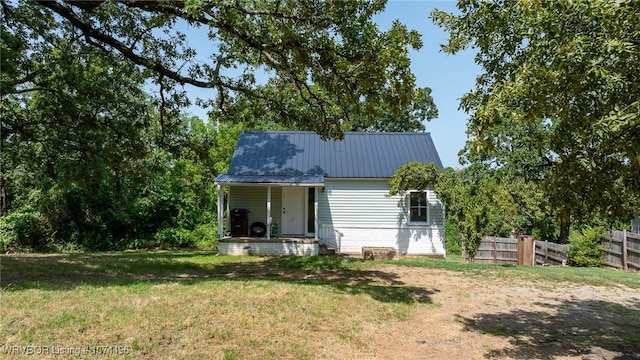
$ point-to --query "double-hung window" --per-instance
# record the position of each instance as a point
(425, 209)
(418, 207)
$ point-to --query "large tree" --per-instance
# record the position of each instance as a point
(242, 108)
(314, 47)
(572, 68)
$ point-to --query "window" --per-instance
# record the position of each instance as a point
(422, 209)
(418, 207)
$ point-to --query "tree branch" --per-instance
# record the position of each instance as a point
(89, 31)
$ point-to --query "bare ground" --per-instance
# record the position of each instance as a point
(475, 319)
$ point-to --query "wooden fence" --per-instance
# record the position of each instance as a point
(548, 253)
(622, 250)
(498, 250)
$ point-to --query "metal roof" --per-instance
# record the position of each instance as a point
(298, 156)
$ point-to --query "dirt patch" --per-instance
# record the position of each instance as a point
(475, 318)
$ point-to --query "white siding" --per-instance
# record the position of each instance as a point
(365, 216)
(358, 202)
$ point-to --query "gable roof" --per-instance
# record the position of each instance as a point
(299, 157)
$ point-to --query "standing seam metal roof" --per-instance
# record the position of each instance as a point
(266, 156)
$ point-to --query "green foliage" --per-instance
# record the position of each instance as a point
(205, 236)
(275, 229)
(23, 229)
(453, 238)
(587, 248)
(559, 79)
(478, 199)
(256, 114)
(413, 176)
(330, 55)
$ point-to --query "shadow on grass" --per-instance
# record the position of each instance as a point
(583, 328)
(67, 271)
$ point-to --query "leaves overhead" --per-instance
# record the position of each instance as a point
(314, 47)
(572, 67)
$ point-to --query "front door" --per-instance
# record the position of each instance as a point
(293, 210)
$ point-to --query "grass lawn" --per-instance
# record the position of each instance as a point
(197, 305)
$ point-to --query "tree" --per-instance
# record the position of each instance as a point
(258, 113)
(334, 46)
(572, 67)
(479, 201)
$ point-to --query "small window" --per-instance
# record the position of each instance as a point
(425, 210)
(418, 207)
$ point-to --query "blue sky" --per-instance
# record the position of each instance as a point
(449, 76)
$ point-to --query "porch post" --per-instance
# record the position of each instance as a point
(220, 205)
(228, 210)
(268, 212)
(315, 213)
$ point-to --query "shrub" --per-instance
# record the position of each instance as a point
(453, 238)
(587, 248)
(171, 238)
(23, 230)
(205, 236)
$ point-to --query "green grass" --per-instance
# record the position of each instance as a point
(548, 274)
(191, 304)
(170, 304)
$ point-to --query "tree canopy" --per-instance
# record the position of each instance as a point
(331, 54)
(569, 71)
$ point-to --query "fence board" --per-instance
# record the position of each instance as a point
(497, 250)
(622, 250)
(548, 253)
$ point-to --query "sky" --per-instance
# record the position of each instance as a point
(449, 76)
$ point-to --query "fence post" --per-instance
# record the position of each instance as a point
(624, 250)
(533, 258)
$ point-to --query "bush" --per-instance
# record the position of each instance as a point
(205, 236)
(171, 238)
(453, 238)
(23, 230)
(587, 248)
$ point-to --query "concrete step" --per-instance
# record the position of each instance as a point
(323, 249)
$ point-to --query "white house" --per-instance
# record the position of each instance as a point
(317, 193)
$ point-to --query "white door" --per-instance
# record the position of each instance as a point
(293, 210)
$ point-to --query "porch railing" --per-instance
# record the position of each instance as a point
(330, 236)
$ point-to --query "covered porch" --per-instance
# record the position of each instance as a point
(262, 215)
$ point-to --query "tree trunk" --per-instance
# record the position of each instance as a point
(565, 226)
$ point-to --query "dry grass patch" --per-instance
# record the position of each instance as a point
(186, 305)
(196, 305)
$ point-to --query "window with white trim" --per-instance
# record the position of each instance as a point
(424, 210)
